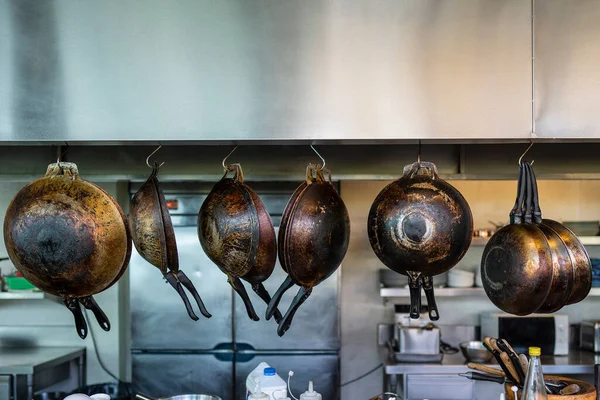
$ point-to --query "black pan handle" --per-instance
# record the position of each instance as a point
(89, 303)
(427, 282)
(414, 286)
(516, 214)
(285, 286)
(262, 292)
(238, 286)
(537, 212)
(528, 214)
(300, 298)
(177, 286)
(185, 281)
(80, 324)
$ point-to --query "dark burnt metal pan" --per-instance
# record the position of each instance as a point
(313, 239)
(154, 238)
(420, 226)
(236, 233)
(68, 237)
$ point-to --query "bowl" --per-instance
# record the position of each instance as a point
(460, 279)
(474, 351)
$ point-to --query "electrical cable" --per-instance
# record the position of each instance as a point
(96, 351)
(362, 376)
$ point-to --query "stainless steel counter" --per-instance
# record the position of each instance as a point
(31, 369)
(577, 362)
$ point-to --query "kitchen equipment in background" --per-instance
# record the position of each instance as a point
(586, 391)
(18, 284)
(141, 396)
(420, 226)
(459, 278)
(475, 351)
(390, 278)
(224, 349)
(418, 340)
(549, 332)
(313, 239)
(583, 228)
(589, 336)
(236, 233)
(69, 238)
(154, 238)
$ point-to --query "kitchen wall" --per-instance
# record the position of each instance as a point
(362, 307)
(49, 323)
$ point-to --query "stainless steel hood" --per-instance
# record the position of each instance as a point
(292, 70)
(264, 70)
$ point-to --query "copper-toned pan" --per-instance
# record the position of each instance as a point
(154, 238)
(313, 239)
(236, 233)
(69, 238)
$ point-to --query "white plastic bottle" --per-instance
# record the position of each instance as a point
(311, 394)
(272, 384)
(258, 394)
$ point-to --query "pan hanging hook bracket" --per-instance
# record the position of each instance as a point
(523, 155)
(151, 154)
(227, 156)
(320, 156)
(419, 154)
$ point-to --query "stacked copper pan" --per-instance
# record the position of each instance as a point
(534, 264)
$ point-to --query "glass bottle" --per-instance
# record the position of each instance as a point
(534, 388)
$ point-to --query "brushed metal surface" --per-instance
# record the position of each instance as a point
(315, 326)
(567, 68)
(164, 375)
(264, 70)
(158, 317)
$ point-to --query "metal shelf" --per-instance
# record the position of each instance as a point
(22, 296)
(585, 240)
(391, 293)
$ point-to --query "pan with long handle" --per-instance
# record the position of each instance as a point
(420, 226)
(69, 238)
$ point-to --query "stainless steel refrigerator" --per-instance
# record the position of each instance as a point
(171, 354)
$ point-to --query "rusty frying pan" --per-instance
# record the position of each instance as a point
(562, 276)
(154, 238)
(517, 265)
(314, 234)
(69, 238)
(236, 233)
(420, 226)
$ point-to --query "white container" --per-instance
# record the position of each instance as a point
(460, 279)
(270, 383)
(311, 394)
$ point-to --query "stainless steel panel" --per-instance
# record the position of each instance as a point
(264, 70)
(158, 317)
(567, 68)
(163, 375)
(438, 387)
(315, 325)
(322, 369)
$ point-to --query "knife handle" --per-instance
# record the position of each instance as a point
(510, 367)
(486, 369)
(524, 363)
(482, 377)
